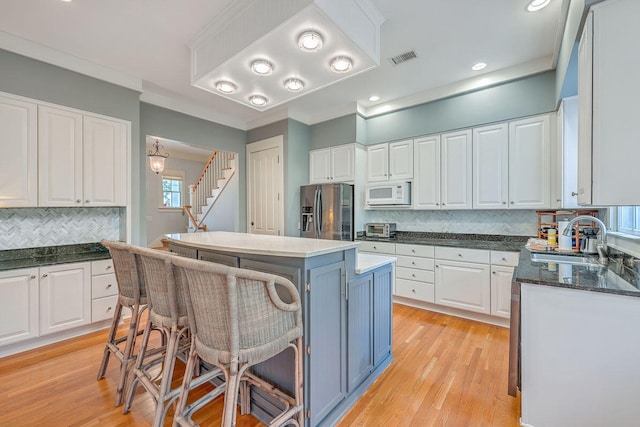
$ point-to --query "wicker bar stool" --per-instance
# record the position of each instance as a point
(237, 321)
(131, 294)
(167, 312)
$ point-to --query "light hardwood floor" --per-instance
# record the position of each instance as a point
(446, 372)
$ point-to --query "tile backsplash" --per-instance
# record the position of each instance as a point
(36, 227)
(504, 222)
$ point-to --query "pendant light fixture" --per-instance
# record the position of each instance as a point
(156, 159)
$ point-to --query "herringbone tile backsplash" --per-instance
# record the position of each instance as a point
(36, 227)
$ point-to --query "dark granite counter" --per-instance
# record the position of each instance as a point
(620, 276)
(51, 255)
(471, 241)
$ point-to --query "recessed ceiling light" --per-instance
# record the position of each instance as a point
(226, 86)
(261, 67)
(341, 64)
(478, 66)
(374, 98)
(536, 5)
(293, 84)
(310, 41)
(258, 100)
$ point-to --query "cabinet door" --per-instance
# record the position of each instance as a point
(401, 160)
(378, 162)
(382, 313)
(501, 291)
(585, 110)
(343, 163)
(18, 305)
(59, 157)
(65, 297)
(529, 163)
(231, 261)
(491, 167)
(320, 166)
(456, 170)
(359, 330)
(566, 160)
(19, 159)
(326, 326)
(426, 186)
(463, 285)
(105, 162)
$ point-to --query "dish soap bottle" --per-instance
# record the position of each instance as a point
(552, 236)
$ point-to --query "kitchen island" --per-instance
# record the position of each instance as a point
(346, 311)
(574, 335)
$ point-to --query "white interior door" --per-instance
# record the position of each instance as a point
(265, 183)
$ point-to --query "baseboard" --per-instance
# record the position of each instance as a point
(479, 317)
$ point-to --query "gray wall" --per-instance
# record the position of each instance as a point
(41, 81)
(342, 130)
(296, 137)
(164, 123)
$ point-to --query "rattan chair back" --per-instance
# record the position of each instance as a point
(131, 285)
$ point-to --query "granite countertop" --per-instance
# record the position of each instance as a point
(471, 241)
(620, 276)
(12, 259)
(260, 244)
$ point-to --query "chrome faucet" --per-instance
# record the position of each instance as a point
(602, 246)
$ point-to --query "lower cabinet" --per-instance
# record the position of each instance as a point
(104, 290)
(19, 305)
(359, 329)
(382, 314)
(501, 291)
(463, 285)
(65, 297)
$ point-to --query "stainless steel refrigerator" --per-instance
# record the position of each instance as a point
(326, 211)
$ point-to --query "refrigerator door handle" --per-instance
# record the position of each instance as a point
(315, 212)
(320, 212)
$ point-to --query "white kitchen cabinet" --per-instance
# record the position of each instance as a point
(564, 177)
(491, 167)
(463, 279)
(82, 159)
(105, 162)
(529, 163)
(608, 88)
(501, 290)
(18, 305)
(19, 159)
(456, 170)
(65, 297)
(390, 161)
(426, 185)
(369, 246)
(59, 157)
(104, 290)
(414, 272)
(334, 164)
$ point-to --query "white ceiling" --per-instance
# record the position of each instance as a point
(144, 44)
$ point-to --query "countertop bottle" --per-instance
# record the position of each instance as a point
(552, 236)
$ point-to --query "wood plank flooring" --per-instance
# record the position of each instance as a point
(446, 372)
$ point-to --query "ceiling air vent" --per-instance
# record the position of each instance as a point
(403, 57)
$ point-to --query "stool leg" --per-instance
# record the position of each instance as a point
(134, 380)
(128, 352)
(110, 339)
(167, 375)
(186, 383)
(231, 396)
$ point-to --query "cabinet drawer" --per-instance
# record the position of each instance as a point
(462, 254)
(103, 286)
(509, 259)
(415, 262)
(101, 267)
(378, 247)
(414, 274)
(415, 290)
(414, 250)
(103, 308)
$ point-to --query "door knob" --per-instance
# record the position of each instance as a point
(573, 193)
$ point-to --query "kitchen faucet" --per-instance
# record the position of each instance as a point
(602, 246)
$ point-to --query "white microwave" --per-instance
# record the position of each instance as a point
(388, 194)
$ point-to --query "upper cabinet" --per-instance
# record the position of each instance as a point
(390, 161)
(491, 166)
(455, 170)
(426, 186)
(335, 164)
(19, 159)
(564, 176)
(529, 163)
(61, 157)
(608, 85)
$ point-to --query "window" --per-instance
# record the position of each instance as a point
(627, 219)
(172, 190)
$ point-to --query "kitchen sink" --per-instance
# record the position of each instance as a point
(565, 259)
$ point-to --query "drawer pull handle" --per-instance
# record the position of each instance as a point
(413, 250)
(413, 290)
(459, 255)
(45, 275)
(108, 267)
(504, 259)
(375, 247)
(108, 308)
(494, 272)
(413, 263)
(33, 276)
(413, 275)
(109, 286)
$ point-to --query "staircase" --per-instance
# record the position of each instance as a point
(205, 192)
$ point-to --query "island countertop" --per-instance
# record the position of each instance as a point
(260, 244)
